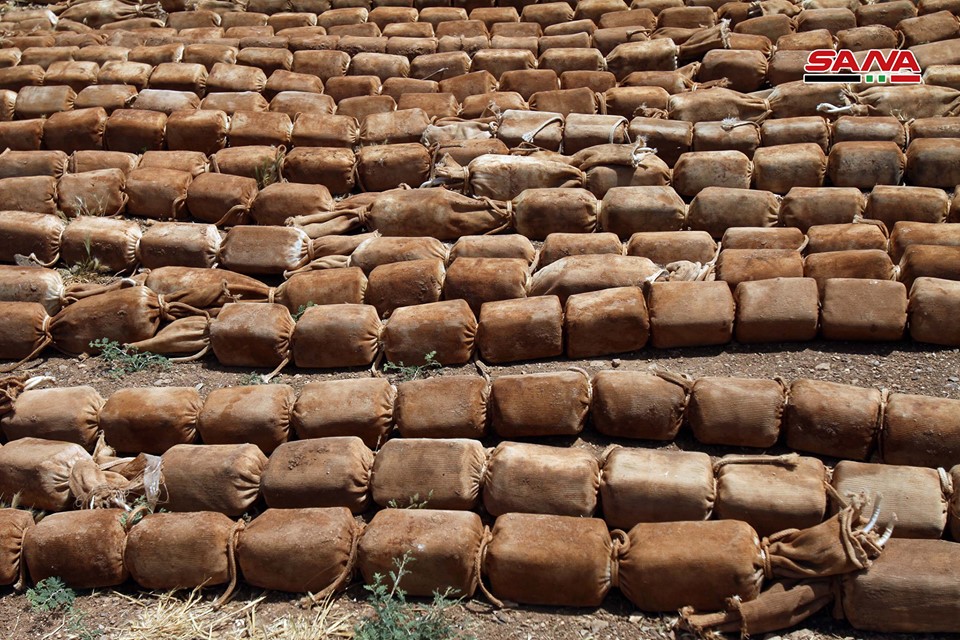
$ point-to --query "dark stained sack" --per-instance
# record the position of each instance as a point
(646, 208)
(763, 238)
(37, 194)
(67, 414)
(783, 167)
(377, 250)
(299, 550)
(866, 164)
(76, 130)
(442, 407)
(906, 234)
(915, 499)
(337, 335)
(435, 213)
(861, 235)
(359, 407)
(606, 322)
(725, 135)
(84, 549)
(502, 246)
(25, 332)
(319, 472)
(448, 329)
(664, 247)
(332, 167)
(33, 284)
(832, 419)
(891, 204)
(203, 130)
(182, 550)
(670, 565)
(929, 261)
(923, 431)
(401, 284)
(540, 212)
(562, 245)
(934, 303)
(795, 130)
(277, 202)
(672, 324)
(16, 164)
(14, 524)
(932, 162)
(804, 207)
(431, 472)
(550, 560)
(384, 167)
(443, 545)
(862, 309)
(777, 310)
(635, 404)
(715, 104)
(481, 280)
(258, 414)
(504, 178)
(584, 273)
(111, 242)
(741, 412)
(520, 329)
(247, 334)
(207, 289)
(744, 265)
(265, 250)
(855, 264)
(771, 493)
(656, 485)
(212, 477)
(696, 170)
(39, 470)
(716, 209)
(539, 404)
(151, 419)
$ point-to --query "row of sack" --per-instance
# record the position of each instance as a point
(628, 486)
(822, 418)
(600, 322)
(525, 559)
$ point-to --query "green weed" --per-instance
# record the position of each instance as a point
(121, 360)
(414, 372)
(51, 594)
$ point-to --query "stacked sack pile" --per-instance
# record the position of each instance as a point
(333, 184)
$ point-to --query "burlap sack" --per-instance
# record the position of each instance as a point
(247, 334)
(30, 193)
(319, 472)
(513, 246)
(39, 470)
(865, 164)
(123, 72)
(30, 234)
(182, 550)
(16, 164)
(875, 128)
(325, 130)
(771, 493)
(157, 193)
(920, 431)
(25, 332)
(335, 286)
(892, 204)
(212, 477)
(823, 238)
(401, 284)
(931, 127)
(33, 284)
(659, 572)
(520, 329)
(481, 280)
(336, 336)
(540, 212)
(727, 136)
(796, 130)
(633, 404)
(646, 485)
(258, 414)
(607, 166)
(82, 548)
(862, 309)
(928, 261)
(606, 322)
(550, 560)
(438, 474)
(402, 212)
(888, 16)
(899, 592)
(652, 55)
(504, 178)
(260, 162)
(323, 409)
(42, 102)
(270, 551)
(66, 414)
(265, 250)
(664, 247)
(584, 273)
(862, 264)
(562, 245)
(444, 546)
(698, 170)
(670, 138)
(914, 498)
(275, 202)
(804, 207)
(165, 102)
(207, 289)
(135, 130)
(22, 135)
(777, 238)
(111, 242)
(200, 130)
(447, 329)
(150, 420)
(539, 404)
(442, 407)
(933, 302)
(781, 168)
(777, 310)
(832, 419)
(741, 412)
(14, 524)
(83, 161)
(715, 104)
(906, 234)
(98, 193)
(743, 265)
(673, 325)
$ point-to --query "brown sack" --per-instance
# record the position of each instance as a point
(14, 524)
(299, 550)
(311, 288)
(740, 412)
(777, 238)
(265, 250)
(258, 414)
(832, 419)
(402, 284)
(607, 166)
(911, 588)
(673, 325)
(777, 310)
(376, 251)
(606, 322)
(796, 130)
(932, 309)
(670, 138)
(932, 162)
(781, 168)
(865, 235)
(199, 130)
(36, 194)
(670, 565)
(438, 474)
(77, 130)
(98, 193)
(513, 246)
(912, 498)
(865, 164)
(247, 334)
(68, 414)
(771, 493)
(540, 212)
(337, 335)
(359, 407)
(110, 242)
(891, 204)
(481, 280)
(384, 167)
(540, 404)
(906, 234)
(649, 485)
(24, 333)
(443, 546)
(160, 194)
(16, 164)
(860, 309)
(32, 284)
(727, 136)
(857, 264)
(182, 550)
(664, 247)
(319, 472)
(584, 273)
(30, 234)
(634, 404)
(207, 289)
(151, 419)
(550, 560)
(405, 212)
(179, 244)
(212, 477)
(506, 177)
(447, 329)
(442, 407)
(277, 202)
(929, 261)
(743, 265)
(716, 209)
(221, 199)
(39, 470)
(804, 207)
(135, 130)
(715, 104)
(922, 431)
(84, 549)
(697, 170)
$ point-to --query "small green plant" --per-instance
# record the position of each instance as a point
(301, 310)
(395, 619)
(414, 502)
(251, 379)
(121, 360)
(414, 372)
(140, 508)
(51, 594)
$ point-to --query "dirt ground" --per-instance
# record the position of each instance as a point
(903, 367)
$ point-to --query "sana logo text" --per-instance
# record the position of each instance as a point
(873, 66)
